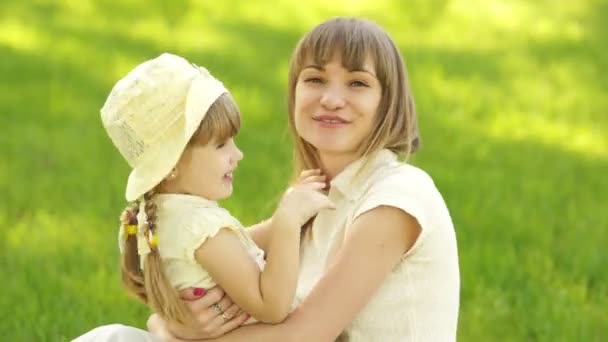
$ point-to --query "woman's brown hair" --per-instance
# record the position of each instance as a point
(354, 40)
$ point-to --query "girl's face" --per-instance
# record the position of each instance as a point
(334, 108)
(206, 170)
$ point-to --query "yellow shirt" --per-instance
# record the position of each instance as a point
(184, 222)
(419, 299)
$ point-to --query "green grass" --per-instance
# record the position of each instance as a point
(512, 103)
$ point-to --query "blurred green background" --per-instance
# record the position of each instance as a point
(513, 110)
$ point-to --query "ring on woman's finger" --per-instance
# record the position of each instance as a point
(218, 307)
(225, 317)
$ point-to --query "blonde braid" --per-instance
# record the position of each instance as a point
(150, 228)
(162, 297)
(131, 273)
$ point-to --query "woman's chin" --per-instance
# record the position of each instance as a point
(334, 150)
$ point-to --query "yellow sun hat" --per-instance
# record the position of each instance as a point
(152, 113)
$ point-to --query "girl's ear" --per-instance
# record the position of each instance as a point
(172, 175)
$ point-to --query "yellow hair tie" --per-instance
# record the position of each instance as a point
(154, 240)
(131, 229)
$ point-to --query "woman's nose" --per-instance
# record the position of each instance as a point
(333, 98)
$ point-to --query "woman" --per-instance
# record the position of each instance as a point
(383, 266)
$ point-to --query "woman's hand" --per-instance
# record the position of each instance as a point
(214, 315)
(158, 327)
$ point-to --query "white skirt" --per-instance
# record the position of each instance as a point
(116, 333)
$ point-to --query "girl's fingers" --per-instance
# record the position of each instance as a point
(315, 185)
(308, 173)
(310, 179)
(192, 293)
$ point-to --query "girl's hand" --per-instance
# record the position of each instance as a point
(303, 201)
(312, 176)
(214, 315)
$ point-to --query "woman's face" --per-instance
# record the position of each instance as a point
(334, 108)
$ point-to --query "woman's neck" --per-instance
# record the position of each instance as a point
(334, 163)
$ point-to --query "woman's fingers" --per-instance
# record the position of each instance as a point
(155, 324)
(232, 324)
(219, 326)
(216, 315)
(232, 311)
(173, 329)
(223, 305)
(214, 312)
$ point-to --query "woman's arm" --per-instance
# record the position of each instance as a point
(374, 245)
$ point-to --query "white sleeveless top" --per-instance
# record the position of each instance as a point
(419, 299)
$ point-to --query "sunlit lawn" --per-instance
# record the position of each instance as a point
(512, 103)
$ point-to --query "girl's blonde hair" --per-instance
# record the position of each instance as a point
(151, 285)
(354, 40)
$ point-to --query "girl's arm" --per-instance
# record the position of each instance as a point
(266, 295)
(374, 245)
(260, 233)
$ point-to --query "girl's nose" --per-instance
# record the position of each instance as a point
(238, 155)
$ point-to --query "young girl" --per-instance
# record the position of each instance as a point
(174, 124)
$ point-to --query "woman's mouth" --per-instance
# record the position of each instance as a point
(330, 121)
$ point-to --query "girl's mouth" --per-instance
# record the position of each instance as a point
(228, 177)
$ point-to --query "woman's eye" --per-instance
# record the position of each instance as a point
(221, 145)
(313, 80)
(358, 84)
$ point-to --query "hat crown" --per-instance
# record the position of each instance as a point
(146, 103)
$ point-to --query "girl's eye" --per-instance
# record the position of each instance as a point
(223, 144)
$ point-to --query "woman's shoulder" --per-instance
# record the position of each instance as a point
(409, 188)
(403, 178)
(404, 186)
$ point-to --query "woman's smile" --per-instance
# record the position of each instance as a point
(330, 121)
